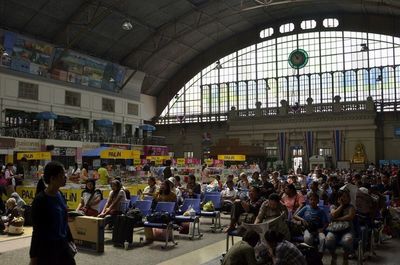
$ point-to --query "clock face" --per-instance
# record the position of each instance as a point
(298, 59)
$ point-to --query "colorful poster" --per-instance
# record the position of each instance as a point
(113, 77)
(36, 57)
(28, 55)
(79, 68)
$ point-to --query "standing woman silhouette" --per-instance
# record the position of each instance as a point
(51, 235)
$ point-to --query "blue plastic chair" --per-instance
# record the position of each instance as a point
(216, 214)
(168, 207)
(165, 207)
(144, 207)
(102, 204)
(134, 199)
(195, 203)
(212, 193)
(124, 206)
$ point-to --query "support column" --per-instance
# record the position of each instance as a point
(51, 125)
(90, 125)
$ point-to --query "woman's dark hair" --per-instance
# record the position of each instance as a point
(274, 197)
(177, 178)
(340, 193)
(85, 166)
(229, 182)
(192, 177)
(313, 194)
(256, 189)
(119, 186)
(117, 183)
(91, 181)
(152, 179)
(167, 190)
(291, 187)
(52, 169)
(251, 237)
(273, 236)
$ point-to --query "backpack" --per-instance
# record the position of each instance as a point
(159, 218)
(311, 254)
(135, 214)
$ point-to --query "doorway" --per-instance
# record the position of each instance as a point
(297, 157)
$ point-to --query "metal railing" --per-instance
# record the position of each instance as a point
(23, 132)
(283, 110)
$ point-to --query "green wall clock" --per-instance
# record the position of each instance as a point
(298, 59)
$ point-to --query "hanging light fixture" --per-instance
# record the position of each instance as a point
(218, 65)
(127, 25)
(379, 78)
(364, 47)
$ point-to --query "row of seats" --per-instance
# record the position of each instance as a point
(145, 207)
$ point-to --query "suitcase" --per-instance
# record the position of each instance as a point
(123, 230)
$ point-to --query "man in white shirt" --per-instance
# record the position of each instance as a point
(229, 193)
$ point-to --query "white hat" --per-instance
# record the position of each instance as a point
(172, 180)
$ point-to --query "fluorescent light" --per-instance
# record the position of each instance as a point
(127, 25)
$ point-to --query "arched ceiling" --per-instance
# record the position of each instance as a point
(167, 35)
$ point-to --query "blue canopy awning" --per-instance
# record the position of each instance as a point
(104, 123)
(64, 119)
(46, 115)
(95, 152)
(147, 127)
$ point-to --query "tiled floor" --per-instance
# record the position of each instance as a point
(206, 251)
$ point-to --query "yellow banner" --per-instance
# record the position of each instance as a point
(120, 154)
(158, 159)
(72, 196)
(232, 157)
(209, 162)
(180, 161)
(26, 193)
(35, 156)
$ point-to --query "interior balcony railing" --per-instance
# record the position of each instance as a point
(23, 132)
(283, 110)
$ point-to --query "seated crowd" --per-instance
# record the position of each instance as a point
(322, 209)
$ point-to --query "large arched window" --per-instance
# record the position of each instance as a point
(352, 65)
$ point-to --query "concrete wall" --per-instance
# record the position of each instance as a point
(182, 138)
(149, 105)
(374, 131)
(52, 98)
(388, 145)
